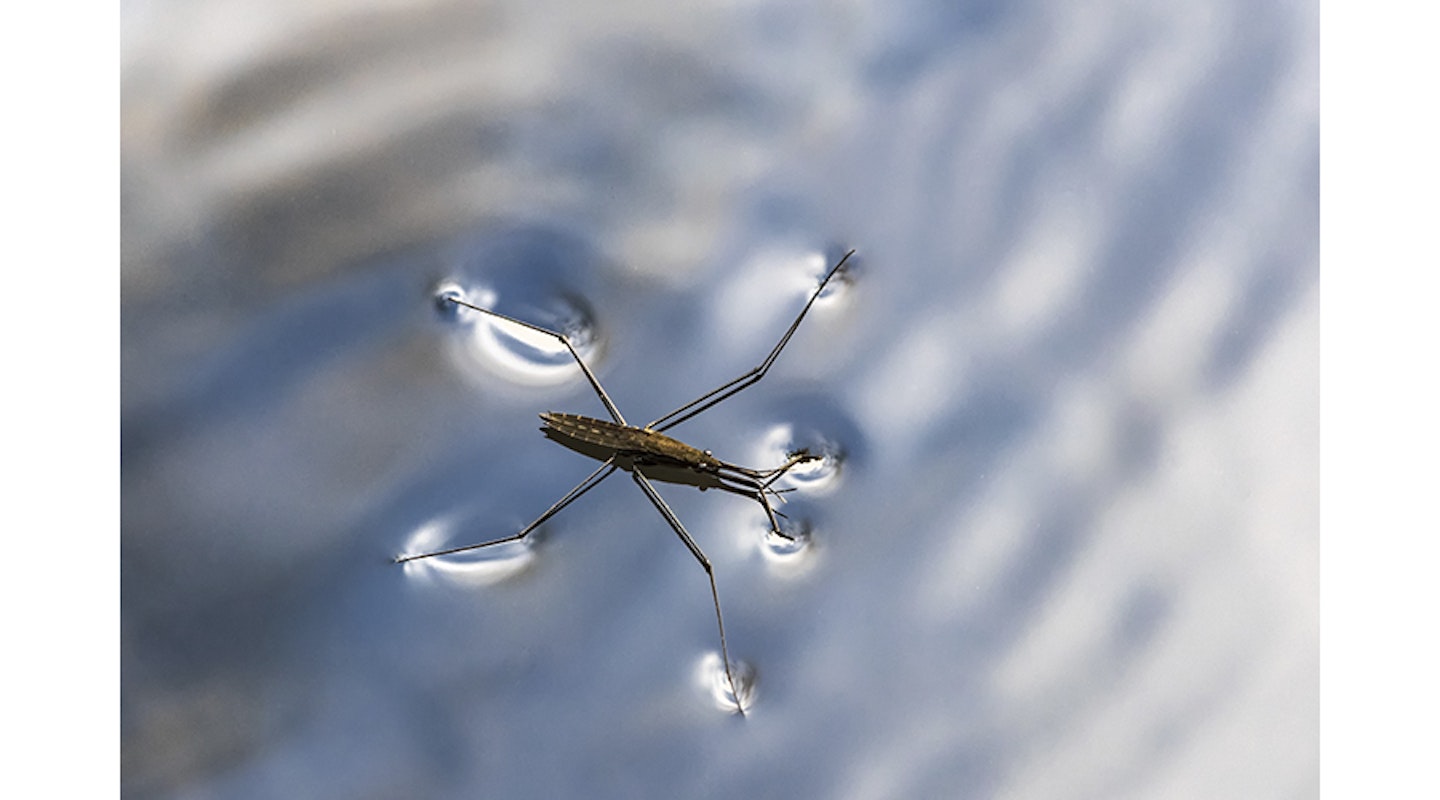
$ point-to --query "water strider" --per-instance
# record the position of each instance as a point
(647, 453)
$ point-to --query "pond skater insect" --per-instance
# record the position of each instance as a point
(647, 453)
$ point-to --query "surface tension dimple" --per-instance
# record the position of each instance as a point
(521, 355)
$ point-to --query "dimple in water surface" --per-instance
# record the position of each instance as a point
(526, 355)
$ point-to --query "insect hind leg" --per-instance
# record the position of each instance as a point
(753, 376)
(679, 528)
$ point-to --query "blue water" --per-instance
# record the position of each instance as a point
(1065, 540)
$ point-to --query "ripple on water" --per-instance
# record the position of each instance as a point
(710, 675)
(537, 276)
(823, 430)
(838, 289)
(521, 354)
(793, 557)
(819, 476)
(480, 566)
(445, 296)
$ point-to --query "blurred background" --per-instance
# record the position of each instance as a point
(1065, 543)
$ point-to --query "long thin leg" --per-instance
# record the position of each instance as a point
(565, 340)
(581, 488)
(750, 378)
(669, 515)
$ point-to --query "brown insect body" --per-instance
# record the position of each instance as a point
(602, 439)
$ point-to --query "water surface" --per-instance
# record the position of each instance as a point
(1065, 543)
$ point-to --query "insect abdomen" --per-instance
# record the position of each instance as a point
(591, 430)
(622, 438)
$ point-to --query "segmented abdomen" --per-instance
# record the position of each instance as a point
(623, 438)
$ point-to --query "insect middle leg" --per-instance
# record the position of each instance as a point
(581, 488)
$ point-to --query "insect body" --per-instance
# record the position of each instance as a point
(648, 454)
(625, 439)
